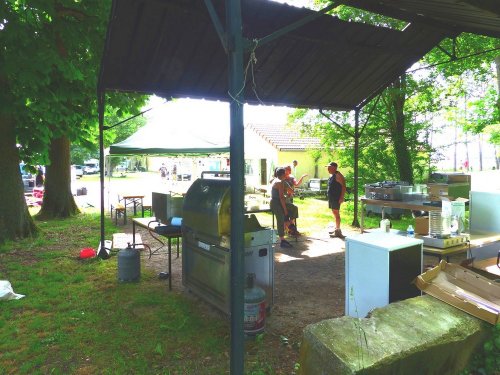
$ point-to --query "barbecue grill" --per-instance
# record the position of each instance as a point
(385, 190)
(206, 253)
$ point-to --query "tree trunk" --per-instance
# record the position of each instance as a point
(58, 200)
(397, 130)
(15, 219)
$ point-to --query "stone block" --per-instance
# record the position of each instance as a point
(421, 335)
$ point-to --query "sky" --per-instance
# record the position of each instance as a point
(206, 117)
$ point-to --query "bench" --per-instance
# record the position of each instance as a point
(121, 241)
(119, 211)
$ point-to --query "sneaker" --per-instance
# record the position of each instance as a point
(338, 233)
(285, 244)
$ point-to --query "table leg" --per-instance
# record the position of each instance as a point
(135, 206)
(133, 233)
(142, 207)
(169, 263)
(178, 240)
(362, 220)
(125, 212)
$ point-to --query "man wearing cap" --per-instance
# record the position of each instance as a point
(336, 192)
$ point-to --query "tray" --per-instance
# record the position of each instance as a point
(464, 289)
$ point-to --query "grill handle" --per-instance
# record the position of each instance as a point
(215, 173)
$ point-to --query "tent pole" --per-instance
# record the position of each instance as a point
(357, 135)
(102, 253)
(236, 88)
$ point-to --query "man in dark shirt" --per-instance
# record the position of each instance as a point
(336, 192)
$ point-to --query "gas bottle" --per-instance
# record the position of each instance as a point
(254, 319)
(129, 264)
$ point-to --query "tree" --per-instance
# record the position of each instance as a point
(48, 72)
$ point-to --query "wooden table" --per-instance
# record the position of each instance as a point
(410, 205)
(128, 200)
(150, 223)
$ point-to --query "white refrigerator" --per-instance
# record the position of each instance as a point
(379, 269)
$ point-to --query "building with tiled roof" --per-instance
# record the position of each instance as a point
(284, 137)
(268, 146)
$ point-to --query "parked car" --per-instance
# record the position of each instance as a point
(122, 168)
(28, 179)
(90, 168)
(79, 170)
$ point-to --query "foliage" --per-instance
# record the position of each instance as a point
(424, 94)
(488, 361)
(49, 65)
(377, 157)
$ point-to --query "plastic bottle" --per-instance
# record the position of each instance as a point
(385, 225)
(410, 232)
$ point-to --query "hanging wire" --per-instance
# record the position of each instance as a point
(252, 61)
(455, 59)
(132, 117)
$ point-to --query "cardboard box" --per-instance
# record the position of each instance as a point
(459, 178)
(464, 289)
(422, 225)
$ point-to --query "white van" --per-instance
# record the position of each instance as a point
(91, 166)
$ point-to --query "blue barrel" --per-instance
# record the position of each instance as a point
(129, 265)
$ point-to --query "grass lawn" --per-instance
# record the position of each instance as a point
(77, 318)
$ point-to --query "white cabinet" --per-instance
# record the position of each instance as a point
(379, 269)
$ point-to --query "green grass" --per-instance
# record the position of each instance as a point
(76, 317)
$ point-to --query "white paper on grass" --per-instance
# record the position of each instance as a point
(6, 291)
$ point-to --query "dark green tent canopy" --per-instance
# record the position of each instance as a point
(164, 140)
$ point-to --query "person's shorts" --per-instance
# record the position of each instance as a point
(293, 211)
(334, 203)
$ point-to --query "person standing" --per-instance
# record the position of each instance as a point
(39, 179)
(290, 184)
(174, 173)
(163, 171)
(336, 192)
(279, 207)
(294, 166)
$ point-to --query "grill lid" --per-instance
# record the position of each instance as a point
(207, 207)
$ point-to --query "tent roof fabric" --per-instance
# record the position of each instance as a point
(171, 49)
(163, 140)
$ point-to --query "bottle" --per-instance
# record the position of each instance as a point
(454, 226)
(410, 232)
(254, 319)
(385, 225)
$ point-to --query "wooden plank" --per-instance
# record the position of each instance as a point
(121, 240)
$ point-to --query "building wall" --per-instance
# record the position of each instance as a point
(257, 148)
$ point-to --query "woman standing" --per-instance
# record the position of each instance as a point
(278, 206)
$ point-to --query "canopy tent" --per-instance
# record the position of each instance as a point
(172, 49)
(155, 139)
(296, 57)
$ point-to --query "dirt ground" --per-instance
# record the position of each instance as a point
(309, 287)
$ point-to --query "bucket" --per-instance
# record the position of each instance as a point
(254, 318)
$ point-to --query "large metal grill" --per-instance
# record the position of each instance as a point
(206, 254)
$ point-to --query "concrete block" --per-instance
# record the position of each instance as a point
(421, 335)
